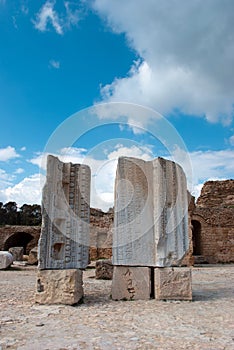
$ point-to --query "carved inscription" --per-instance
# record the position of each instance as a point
(64, 240)
(151, 219)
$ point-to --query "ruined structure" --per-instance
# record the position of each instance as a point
(64, 240)
(101, 225)
(151, 227)
(19, 236)
(213, 223)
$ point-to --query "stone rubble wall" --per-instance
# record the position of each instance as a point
(215, 212)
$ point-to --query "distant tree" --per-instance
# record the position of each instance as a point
(3, 211)
(30, 214)
(11, 214)
(27, 215)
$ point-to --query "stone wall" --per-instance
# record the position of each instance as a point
(101, 234)
(213, 224)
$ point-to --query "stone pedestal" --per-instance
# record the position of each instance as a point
(173, 283)
(59, 286)
(131, 283)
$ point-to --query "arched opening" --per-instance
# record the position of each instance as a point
(196, 227)
(18, 239)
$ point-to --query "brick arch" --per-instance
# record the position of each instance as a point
(17, 234)
(18, 239)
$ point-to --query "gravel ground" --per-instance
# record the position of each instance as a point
(100, 323)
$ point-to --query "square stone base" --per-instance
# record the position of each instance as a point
(131, 283)
(173, 283)
(59, 286)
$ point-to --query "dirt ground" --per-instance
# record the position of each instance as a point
(100, 323)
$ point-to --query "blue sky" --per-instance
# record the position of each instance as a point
(59, 57)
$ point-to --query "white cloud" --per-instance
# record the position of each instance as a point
(27, 191)
(186, 51)
(8, 153)
(54, 64)
(5, 179)
(59, 21)
(19, 171)
(46, 15)
(23, 148)
(211, 165)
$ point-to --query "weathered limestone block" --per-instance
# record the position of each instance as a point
(6, 259)
(64, 240)
(131, 283)
(33, 256)
(151, 213)
(17, 253)
(104, 269)
(173, 283)
(59, 287)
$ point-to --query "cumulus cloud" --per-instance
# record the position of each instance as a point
(210, 165)
(27, 191)
(186, 52)
(47, 15)
(8, 153)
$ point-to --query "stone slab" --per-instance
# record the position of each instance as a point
(173, 283)
(64, 239)
(6, 259)
(17, 253)
(59, 287)
(151, 213)
(131, 283)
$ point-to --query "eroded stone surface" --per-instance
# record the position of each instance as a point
(59, 287)
(17, 253)
(64, 240)
(151, 213)
(33, 256)
(6, 259)
(131, 283)
(104, 269)
(173, 283)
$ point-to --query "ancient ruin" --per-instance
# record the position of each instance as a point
(64, 240)
(212, 223)
(151, 226)
(151, 220)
